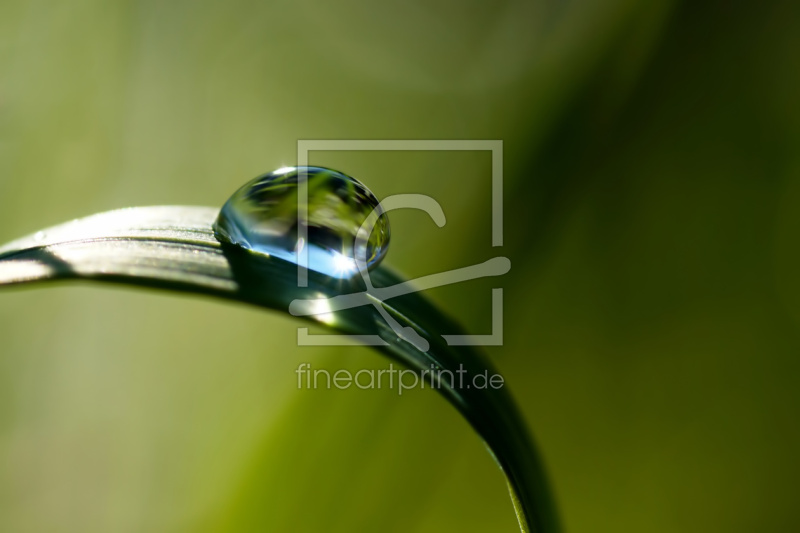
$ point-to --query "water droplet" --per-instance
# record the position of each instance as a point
(262, 216)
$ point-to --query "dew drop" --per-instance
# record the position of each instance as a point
(262, 216)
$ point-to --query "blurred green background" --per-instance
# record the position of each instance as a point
(651, 315)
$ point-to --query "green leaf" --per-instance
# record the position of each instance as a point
(173, 247)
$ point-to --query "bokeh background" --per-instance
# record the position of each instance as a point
(652, 217)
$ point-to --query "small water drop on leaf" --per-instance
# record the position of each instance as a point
(262, 216)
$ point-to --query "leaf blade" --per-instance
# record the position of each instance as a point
(174, 248)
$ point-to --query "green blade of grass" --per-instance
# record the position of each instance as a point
(173, 247)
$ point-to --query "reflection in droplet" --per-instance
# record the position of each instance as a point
(262, 216)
